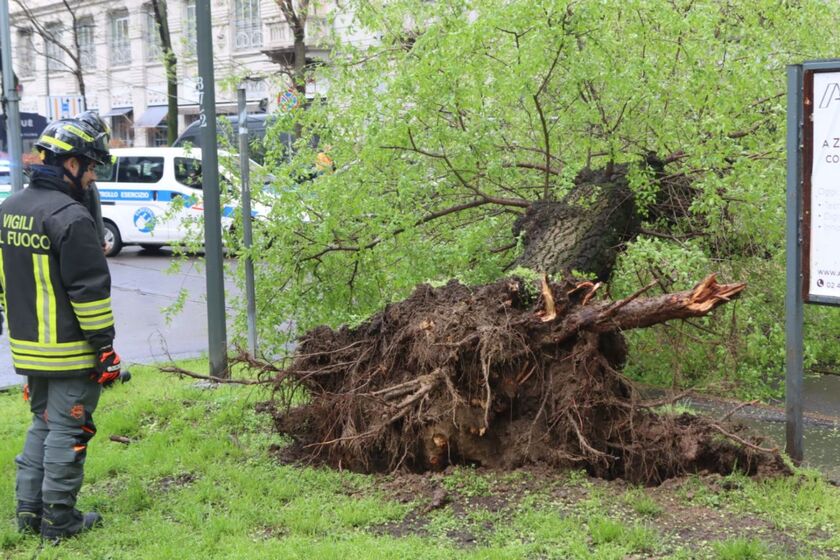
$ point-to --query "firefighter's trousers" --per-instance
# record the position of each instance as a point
(50, 469)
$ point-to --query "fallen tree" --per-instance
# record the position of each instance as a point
(504, 375)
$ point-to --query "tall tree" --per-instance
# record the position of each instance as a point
(468, 116)
(52, 35)
(170, 62)
(296, 14)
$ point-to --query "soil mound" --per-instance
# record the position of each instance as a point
(505, 375)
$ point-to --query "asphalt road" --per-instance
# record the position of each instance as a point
(140, 289)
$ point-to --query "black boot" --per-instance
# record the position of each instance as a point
(60, 522)
(29, 517)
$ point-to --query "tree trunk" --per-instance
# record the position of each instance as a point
(170, 65)
(80, 79)
(296, 18)
(300, 66)
(585, 230)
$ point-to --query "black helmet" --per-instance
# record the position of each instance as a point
(94, 121)
(74, 137)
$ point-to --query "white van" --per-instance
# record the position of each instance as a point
(137, 190)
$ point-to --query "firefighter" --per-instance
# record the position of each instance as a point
(57, 293)
(92, 200)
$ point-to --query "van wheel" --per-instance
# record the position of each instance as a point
(113, 240)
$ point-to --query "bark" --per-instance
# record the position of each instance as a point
(585, 230)
(170, 64)
(296, 18)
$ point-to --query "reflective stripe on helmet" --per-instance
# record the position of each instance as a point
(56, 142)
(78, 132)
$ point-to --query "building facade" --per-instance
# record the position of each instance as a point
(123, 73)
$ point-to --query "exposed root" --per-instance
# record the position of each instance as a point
(493, 376)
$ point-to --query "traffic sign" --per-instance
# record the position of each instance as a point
(288, 100)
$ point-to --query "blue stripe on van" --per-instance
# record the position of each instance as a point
(114, 195)
(169, 196)
(109, 196)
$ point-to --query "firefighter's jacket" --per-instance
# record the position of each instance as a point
(54, 280)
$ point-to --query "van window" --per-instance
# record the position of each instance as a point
(139, 169)
(106, 171)
(188, 172)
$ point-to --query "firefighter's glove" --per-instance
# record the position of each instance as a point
(107, 369)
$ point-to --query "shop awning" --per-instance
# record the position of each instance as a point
(152, 116)
(118, 112)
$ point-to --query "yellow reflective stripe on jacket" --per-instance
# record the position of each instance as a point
(56, 142)
(2, 283)
(56, 349)
(96, 323)
(22, 361)
(60, 356)
(94, 315)
(45, 307)
(92, 307)
(91, 304)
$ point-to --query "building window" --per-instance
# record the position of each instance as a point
(158, 137)
(52, 42)
(87, 51)
(118, 40)
(248, 25)
(189, 29)
(154, 47)
(26, 50)
(122, 131)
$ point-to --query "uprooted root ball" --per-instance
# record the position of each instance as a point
(502, 376)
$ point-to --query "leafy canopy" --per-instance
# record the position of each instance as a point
(464, 112)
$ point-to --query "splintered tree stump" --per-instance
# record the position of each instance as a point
(504, 375)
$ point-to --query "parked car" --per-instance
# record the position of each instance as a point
(139, 186)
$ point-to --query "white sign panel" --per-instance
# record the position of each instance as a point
(824, 271)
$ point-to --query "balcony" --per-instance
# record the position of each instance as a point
(280, 46)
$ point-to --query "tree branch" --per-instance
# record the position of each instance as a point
(547, 141)
(424, 220)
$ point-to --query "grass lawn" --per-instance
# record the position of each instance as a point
(198, 480)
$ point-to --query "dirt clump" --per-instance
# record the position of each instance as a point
(502, 376)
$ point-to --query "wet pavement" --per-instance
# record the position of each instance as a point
(821, 426)
(141, 288)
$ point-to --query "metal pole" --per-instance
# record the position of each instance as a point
(793, 296)
(206, 86)
(13, 133)
(245, 174)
